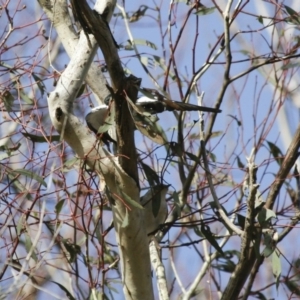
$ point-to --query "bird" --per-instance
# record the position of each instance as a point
(154, 102)
(100, 119)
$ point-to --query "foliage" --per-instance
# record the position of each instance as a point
(233, 186)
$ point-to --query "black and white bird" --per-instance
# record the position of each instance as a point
(153, 102)
(101, 118)
(101, 121)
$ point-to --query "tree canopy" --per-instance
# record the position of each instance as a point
(185, 204)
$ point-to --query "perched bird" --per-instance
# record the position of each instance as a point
(154, 102)
(101, 121)
(101, 118)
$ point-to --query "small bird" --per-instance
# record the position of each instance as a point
(101, 121)
(154, 102)
(101, 118)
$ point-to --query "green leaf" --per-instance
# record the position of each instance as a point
(205, 11)
(241, 220)
(276, 266)
(29, 174)
(8, 100)
(25, 97)
(290, 11)
(10, 149)
(239, 162)
(260, 20)
(156, 198)
(162, 64)
(72, 249)
(150, 129)
(18, 185)
(70, 163)
(41, 138)
(276, 152)
(40, 83)
(144, 60)
(198, 231)
(209, 236)
(269, 242)
(138, 14)
(192, 157)
(20, 224)
(293, 286)
(28, 246)
(175, 197)
(265, 215)
(151, 175)
(211, 156)
(294, 16)
(59, 206)
(68, 294)
(107, 125)
(139, 42)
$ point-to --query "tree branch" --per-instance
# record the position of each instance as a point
(120, 174)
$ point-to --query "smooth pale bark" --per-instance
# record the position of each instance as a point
(128, 220)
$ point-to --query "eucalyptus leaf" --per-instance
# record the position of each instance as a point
(276, 266)
(151, 175)
(209, 236)
(205, 11)
(29, 174)
(68, 294)
(41, 138)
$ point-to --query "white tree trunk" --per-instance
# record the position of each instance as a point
(129, 222)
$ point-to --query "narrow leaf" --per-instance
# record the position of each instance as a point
(28, 246)
(150, 129)
(205, 11)
(209, 236)
(8, 100)
(40, 138)
(68, 294)
(151, 175)
(59, 206)
(293, 286)
(25, 97)
(276, 152)
(40, 83)
(276, 266)
(290, 11)
(239, 162)
(192, 157)
(31, 175)
(138, 14)
(139, 42)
